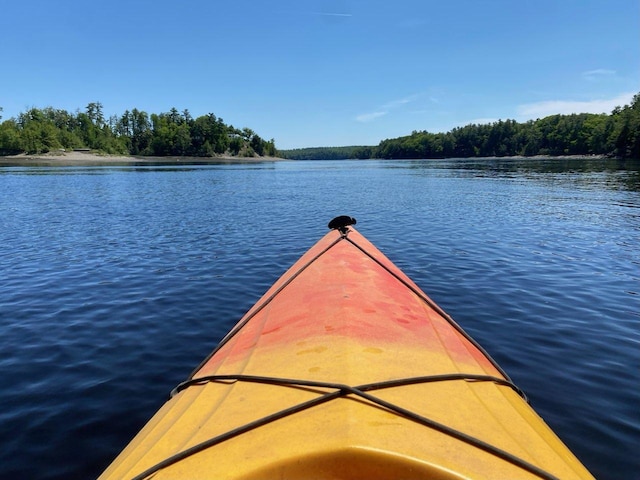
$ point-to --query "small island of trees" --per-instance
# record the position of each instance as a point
(135, 132)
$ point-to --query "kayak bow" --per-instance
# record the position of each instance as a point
(346, 369)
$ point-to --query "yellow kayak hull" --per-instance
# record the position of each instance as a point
(346, 369)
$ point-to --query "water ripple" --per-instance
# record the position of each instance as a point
(116, 282)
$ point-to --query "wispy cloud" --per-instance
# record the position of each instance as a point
(388, 107)
(400, 102)
(567, 107)
(598, 73)
(369, 117)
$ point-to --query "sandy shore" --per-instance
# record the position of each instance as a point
(74, 158)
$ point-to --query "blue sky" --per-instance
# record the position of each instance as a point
(323, 72)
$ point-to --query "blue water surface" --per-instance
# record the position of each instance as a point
(115, 282)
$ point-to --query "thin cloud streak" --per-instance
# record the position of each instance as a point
(369, 117)
(401, 101)
(599, 72)
(387, 107)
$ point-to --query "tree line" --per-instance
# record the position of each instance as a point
(616, 134)
(327, 153)
(135, 132)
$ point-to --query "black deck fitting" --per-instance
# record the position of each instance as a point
(341, 223)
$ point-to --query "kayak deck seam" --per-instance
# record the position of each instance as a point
(341, 391)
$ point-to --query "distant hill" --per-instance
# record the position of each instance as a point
(328, 153)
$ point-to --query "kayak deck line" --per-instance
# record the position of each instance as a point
(345, 368)
(342, 391)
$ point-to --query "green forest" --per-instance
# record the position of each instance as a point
(616, 135)
(135, 132)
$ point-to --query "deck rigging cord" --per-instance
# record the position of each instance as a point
(342, 391)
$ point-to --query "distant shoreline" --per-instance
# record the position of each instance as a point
(86, 159)
(75, 158)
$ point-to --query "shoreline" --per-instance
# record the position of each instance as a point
(88, 159)
(74, 158)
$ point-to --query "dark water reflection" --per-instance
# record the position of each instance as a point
(589, 172)
(116, 282)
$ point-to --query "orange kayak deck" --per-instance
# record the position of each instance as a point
(346, 369)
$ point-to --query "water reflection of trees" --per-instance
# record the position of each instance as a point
(595, 172)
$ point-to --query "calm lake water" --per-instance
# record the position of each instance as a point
(116, 281)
